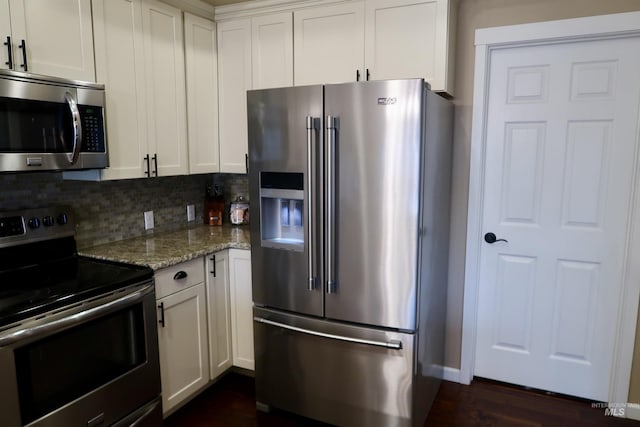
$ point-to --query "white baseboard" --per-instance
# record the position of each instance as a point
(632, 412)
(451, 374)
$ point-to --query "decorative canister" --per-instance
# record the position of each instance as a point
(213, 206)
(239, 211)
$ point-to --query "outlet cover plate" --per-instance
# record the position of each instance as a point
(191, 213)
(148, 220)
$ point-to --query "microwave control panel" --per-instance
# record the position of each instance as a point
(92, 129)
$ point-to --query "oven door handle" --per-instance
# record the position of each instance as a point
(75, 319)
(145, 414)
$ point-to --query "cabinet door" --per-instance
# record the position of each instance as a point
(272, 50)
(202, 93)
(119, 66)
(182, 341)
(408, 39)
(241, 308)
(58, 36)
(329, 44)
(219, 313)
(5, 31)
(234, 78)
(166, 92)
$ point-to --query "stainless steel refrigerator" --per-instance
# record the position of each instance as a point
(350, 193)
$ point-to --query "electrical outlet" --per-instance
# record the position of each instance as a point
(191, 213)
(148, 220)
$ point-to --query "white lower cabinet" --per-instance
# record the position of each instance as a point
(205, 322)
(219, 313)
(241, 308)
(182, 332)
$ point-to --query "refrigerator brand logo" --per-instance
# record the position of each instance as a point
(386, 101)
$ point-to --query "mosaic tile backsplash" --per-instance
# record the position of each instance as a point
(113, 210)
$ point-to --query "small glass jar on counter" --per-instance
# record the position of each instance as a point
(239, 212)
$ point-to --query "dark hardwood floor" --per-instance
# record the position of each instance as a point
(230, 402)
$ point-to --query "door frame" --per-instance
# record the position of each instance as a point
(621, 25)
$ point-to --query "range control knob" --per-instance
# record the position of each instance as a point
(63, 219)
(47, 221)
(33, 223)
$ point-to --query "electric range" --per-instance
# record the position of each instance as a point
(78, 336)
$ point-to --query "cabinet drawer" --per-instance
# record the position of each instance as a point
(168, 279)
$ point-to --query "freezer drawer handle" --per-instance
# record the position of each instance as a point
(394, 345)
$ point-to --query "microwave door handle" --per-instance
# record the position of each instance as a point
(77, 128)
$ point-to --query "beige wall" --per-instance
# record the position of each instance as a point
(474, 14)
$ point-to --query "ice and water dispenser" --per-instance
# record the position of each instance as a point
(282, 210)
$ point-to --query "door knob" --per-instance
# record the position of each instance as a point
(491, 238)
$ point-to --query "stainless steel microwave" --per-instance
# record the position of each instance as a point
(47, 123)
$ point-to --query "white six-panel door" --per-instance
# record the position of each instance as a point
(561, 135)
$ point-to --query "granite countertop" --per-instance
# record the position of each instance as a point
(161, 250)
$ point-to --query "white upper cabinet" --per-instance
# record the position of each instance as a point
(375, 40)
(202, 94)
(120, 67)
(272, 50)
(5, 35)
(140, 60)
(55, 37)
(142, 51)
(253, 53)
(166, 92)
(234, 78)
(408, 39)
(329, 43)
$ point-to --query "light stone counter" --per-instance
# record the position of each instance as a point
(163, 250)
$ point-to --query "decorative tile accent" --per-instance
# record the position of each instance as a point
(113, 210)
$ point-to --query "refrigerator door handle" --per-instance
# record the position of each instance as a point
(393, 345)
(332, 129)
(311, 184)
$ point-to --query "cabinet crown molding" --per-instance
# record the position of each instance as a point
(257, 7)
(196, 7)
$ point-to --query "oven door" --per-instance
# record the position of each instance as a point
(92, 364)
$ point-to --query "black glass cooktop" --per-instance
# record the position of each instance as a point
(34, 279)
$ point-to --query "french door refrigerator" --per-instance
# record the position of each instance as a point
(349, 187)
